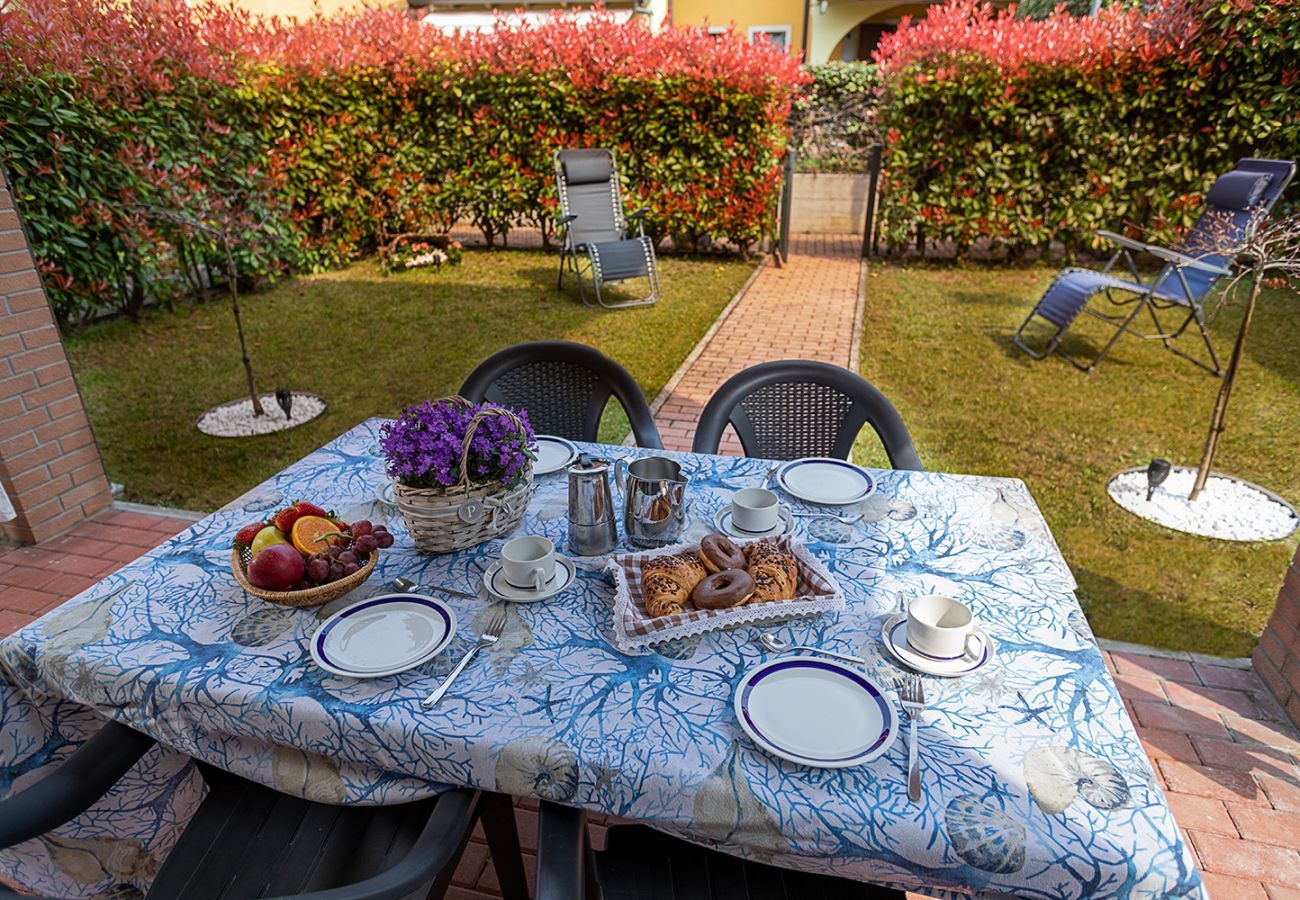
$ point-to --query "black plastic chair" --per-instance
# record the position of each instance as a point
(639, 863)
(797, 408)
(564, 386)
(248, 841)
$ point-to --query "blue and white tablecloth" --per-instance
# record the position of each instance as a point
(1035, 782)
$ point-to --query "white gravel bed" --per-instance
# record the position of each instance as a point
(1227, 508)
(236, 418)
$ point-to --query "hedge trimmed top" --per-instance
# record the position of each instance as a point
(306, 141)
(1020, 133)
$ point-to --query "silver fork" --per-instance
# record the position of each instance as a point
(406, 585)
(489, 637)
(912, 696)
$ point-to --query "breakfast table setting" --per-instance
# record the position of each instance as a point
(875, 674)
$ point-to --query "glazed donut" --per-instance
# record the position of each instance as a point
(719, 553)
(723, 590)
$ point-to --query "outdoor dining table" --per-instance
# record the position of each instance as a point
(1034, 781)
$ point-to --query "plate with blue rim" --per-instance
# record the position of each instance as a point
(816, 712)
(383, 635)
(553, 454)
(825, 481)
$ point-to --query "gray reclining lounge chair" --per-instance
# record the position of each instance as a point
(1234, 205)
(595, 231)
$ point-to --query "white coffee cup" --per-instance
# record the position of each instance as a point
(528, 562)
(943, 629)
(755, 510)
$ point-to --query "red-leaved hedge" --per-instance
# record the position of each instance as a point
(1021, 132)
(308, 140)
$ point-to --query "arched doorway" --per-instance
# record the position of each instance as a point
(850, 29)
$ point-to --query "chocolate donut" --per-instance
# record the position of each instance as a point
(719, 553)
(723, 590)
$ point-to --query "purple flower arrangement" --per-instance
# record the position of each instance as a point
(422, 448)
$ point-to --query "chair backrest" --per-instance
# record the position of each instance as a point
(796, 408)
(1235, 205)
(587, 183)
(564, 386)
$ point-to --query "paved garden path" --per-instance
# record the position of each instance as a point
(1218, 743)
(807, 309)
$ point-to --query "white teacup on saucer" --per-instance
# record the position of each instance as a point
(894, 636)
(943, 629)
(755, 510)
(528, 562)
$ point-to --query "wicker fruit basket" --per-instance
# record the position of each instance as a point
(239, 557)
(443, 520)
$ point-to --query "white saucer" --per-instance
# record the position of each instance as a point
(894, 636)
(829, 482)
(385, 494)
(816, 712)
(496, 585)
(553, 454)
(723, 522)
(383, 635)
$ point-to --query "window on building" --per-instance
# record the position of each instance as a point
(779, 35)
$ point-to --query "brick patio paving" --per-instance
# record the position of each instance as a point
(1219, 744)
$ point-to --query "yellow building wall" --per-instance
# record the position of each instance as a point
(301, 9)
(742, 15)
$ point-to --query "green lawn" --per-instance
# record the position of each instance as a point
(368, 344)
(937, 341)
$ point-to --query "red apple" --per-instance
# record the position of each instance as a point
(277, 568)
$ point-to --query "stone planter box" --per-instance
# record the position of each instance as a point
(828, 204)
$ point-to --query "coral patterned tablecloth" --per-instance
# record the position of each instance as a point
(1035, 782)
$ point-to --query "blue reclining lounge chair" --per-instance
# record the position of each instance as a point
(594, 229)
(1234, 206)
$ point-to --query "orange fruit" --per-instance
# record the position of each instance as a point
(312, 534)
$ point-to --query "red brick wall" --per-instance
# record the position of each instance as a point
(49, 464)
(1277, 656)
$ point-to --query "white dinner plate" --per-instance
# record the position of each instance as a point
(495, 582)
(830, 482)
(816, 712)
(383, 635)
(725, 523)
(553, 454)
(894, 636)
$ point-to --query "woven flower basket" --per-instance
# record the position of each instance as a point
(433, 515)
(310, 597)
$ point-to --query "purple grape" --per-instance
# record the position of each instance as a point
(334, 550)
(336, 570)
(350, 569)
(303, 586)
(385, 540)
(361, 528)
(367, 544)
(318, 569)
(349, 557)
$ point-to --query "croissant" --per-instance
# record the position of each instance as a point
(667, 582)
(776, 577)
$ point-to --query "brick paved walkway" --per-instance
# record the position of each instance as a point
(34, 580)
(805, 310)
(1227, 759)
(1220, 745)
